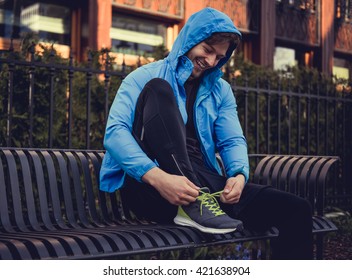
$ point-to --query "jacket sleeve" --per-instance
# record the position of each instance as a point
(118, 139)
(231, 143)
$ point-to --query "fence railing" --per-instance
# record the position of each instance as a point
(53, 102)
(317, 121)
(46, 101)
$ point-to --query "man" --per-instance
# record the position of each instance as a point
(166, 125)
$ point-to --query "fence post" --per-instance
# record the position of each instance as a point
(51, 105)
(246, 106)
(257, 114)
(279, 101)
(289, 101)
(106, 84)
(317, 129)
(308, 118)
(268, 112)
(10, 98)
(69, 97)
(31, 93)
(89, 79)
(298, 145)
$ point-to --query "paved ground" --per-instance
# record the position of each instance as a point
(339, 247)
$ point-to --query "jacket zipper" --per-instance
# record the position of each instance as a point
(178, 167)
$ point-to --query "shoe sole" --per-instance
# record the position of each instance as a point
(186, 222)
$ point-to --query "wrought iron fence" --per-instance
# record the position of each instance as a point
(283, 119)
(50, 102)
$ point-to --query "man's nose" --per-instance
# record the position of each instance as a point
(211, 60)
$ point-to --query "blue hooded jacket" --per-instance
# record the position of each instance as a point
(215, 109)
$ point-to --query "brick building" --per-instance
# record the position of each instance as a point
(315, 33)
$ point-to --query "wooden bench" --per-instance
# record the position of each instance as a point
(51, 207)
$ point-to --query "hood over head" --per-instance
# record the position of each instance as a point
(200, 26)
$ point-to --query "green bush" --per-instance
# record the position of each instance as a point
(45, 77)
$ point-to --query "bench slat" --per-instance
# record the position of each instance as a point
(4, 206)
(15, 192)
(35, 246)
(89, 197)
(29, 191)
(322, 181)
(66, 190)
(42, 191)
(5, 253)
(17, 249)
(52, 245)
(52, 178)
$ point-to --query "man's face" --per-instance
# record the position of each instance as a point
(204, 56)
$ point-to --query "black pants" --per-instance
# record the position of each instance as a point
(159, 129)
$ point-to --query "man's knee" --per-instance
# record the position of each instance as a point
(158, 85)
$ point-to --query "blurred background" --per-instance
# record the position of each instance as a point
(62, 61)
(276, 33)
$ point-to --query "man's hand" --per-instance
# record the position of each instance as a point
(233, 189)
(178, 190)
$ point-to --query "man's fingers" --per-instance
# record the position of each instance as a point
(230, 196)
(192, 185)
(228, 188)
(185, 199)
(193, 190)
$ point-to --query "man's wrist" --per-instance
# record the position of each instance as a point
(240, 173)
(151, 176)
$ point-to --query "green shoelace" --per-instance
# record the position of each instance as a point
(209, 200)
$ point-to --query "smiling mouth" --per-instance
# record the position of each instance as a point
(201, 65)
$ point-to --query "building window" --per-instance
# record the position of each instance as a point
(283, 58)
(132, 35)
(51, 22)
(303, 5)
(341, 69)
(344, 10)
(9, 21)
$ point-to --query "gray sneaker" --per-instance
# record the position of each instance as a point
(206, 215)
